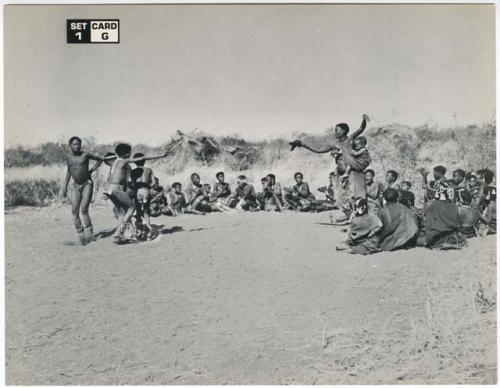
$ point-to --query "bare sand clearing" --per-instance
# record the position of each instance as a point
(241, 299)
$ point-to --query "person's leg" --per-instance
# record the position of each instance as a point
(76, 199)
(123, 201)
(87, 192)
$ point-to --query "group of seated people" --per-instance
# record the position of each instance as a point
(387, 219)
(454, 210)
(200, 198)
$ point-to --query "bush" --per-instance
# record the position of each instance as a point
(31, 193)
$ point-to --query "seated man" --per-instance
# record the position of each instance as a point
(399, 228)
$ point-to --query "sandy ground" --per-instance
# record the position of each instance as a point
(255, 298)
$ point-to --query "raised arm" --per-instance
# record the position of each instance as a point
(361, 129)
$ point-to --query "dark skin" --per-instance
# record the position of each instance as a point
(78, 165)
(340, 135)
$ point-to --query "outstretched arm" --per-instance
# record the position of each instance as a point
(146, 158)
(361, 129)
(298, 143)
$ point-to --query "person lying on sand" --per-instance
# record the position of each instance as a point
(82, 187)
(117, 186)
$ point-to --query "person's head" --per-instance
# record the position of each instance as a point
(299, 177)
(471, 178)
(220, 176)
(406, 198)
(458, 176)
(123, 150)
(369, 176)
(331, 177)
(391, 176)
(241, 181)
(439, 172)
(463, 197)
(195, 178)
(139, 155)
(177, 187)
(341, 130)
(271, 178)
(359, 142)
(75, 143)
(109, 162)
(406, 185)
(491, 194)
(391, 196)
(487, 175)
(264, 181)
(206, 188)
(360, 207)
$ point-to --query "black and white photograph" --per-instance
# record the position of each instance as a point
(250, 194)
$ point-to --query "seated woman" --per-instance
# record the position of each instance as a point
(469, 215)
(373, 191)
(399, 223)
(299, 197)
(363, 231)
(442, 221)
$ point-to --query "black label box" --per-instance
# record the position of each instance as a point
(93, 31)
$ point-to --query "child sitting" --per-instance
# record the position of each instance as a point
(406, 197)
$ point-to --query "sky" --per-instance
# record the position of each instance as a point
(257, 71)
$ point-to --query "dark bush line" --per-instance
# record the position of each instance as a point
(31, 193)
